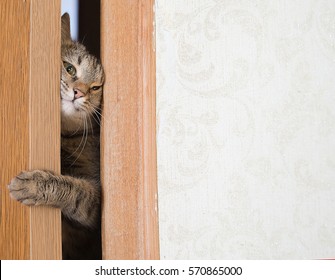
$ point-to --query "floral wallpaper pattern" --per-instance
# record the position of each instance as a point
(246, 128)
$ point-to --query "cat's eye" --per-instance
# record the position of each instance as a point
(70, 68)
(95, 87)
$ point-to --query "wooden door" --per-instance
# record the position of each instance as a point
(30, 122)
(129, 214)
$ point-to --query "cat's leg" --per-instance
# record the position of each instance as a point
(79, 199)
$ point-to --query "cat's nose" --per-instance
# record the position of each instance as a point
(78, 93)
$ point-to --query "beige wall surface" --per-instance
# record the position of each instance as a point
(246, 128)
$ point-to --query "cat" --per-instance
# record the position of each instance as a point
(77, 191)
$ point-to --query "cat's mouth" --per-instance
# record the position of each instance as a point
(71, 101)
(70, 107)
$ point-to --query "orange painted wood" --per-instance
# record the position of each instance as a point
(29, 122)
(129, 180)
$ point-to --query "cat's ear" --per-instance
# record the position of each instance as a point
(66, 34)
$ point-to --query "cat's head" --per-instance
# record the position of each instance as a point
(82, 78)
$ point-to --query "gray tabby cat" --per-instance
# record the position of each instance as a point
(77, 191)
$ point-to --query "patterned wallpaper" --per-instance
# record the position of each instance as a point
(246, 128)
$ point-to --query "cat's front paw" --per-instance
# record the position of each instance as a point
(26, 187)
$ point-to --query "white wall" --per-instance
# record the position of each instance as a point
(246, 128)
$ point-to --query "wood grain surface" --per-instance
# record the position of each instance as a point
(44, 120)
(129, 215)
(30, 122)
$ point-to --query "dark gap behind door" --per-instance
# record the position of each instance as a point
(89, 25)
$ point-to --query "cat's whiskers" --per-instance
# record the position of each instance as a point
(86, 108)
(83, 40)
(96, 112)
(96, 116)
(83, 139)
(96, 119)
(75, 132)
(89, 118)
